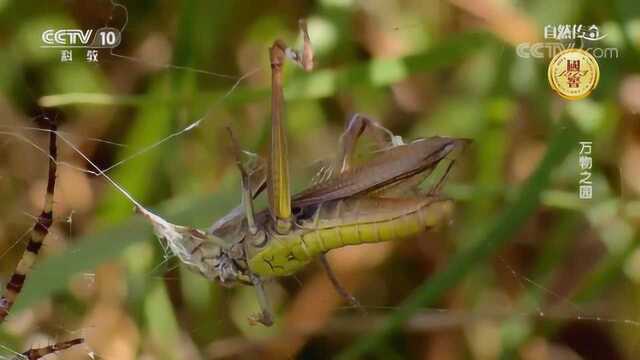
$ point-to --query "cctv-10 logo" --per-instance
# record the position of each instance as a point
(106, 37)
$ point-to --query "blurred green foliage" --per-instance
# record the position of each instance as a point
(522, 244)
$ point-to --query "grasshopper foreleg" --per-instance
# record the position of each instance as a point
(247, 196)
(278, 192)
(265, 317)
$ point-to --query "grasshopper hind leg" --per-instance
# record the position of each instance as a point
(352, 134)
(344, 293)
(348, 142)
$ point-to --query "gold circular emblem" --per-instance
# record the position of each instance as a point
(573, 73)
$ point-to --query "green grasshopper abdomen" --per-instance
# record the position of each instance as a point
(346, 222)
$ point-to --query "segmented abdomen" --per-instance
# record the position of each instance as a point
(348, 222)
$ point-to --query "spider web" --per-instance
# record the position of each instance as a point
(71, 140)
(427, 316)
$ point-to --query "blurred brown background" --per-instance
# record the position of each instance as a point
(562, 286)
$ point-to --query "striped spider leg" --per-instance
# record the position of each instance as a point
(23, 269)
(39, 353)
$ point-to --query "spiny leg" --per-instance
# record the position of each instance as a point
(38, 234)
(278, 168)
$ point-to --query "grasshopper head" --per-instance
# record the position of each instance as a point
(202, 252)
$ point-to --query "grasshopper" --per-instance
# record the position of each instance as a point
(375, 201)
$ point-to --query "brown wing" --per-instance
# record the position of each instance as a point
(390, 167)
